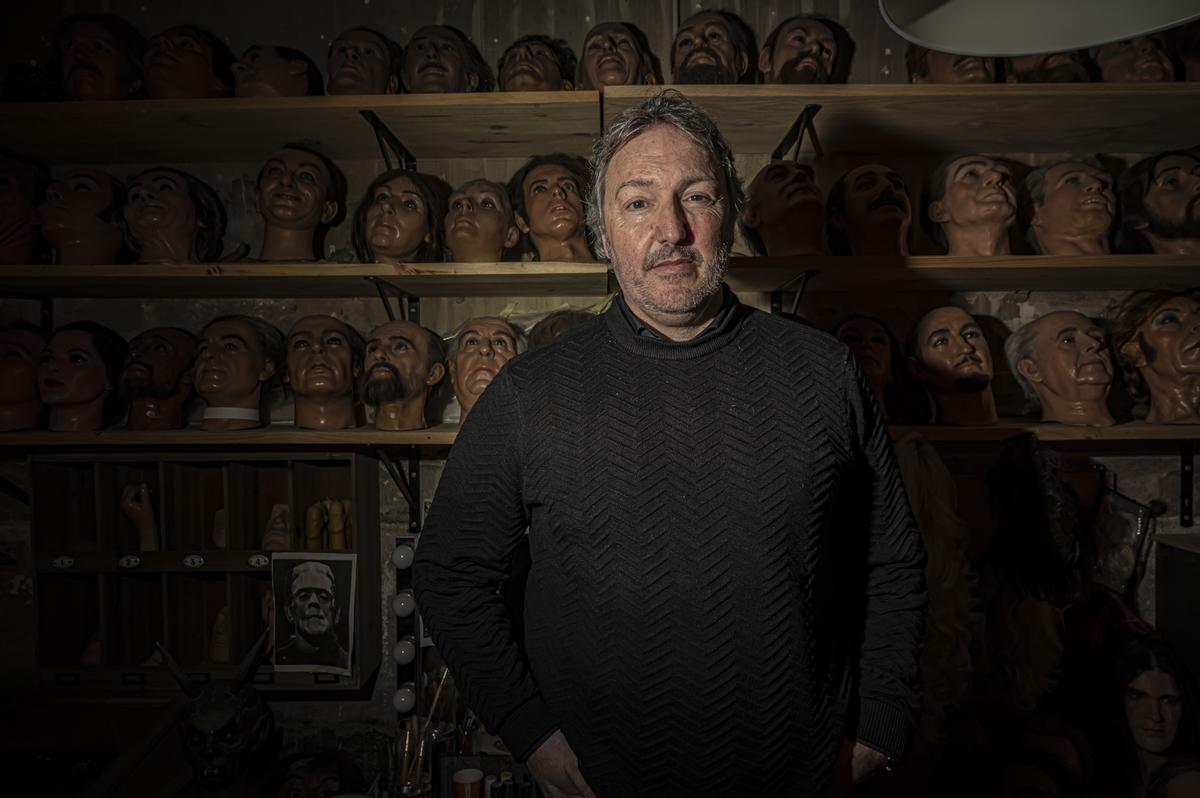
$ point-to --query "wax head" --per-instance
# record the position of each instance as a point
(441, 59)
(1065, 358)
(82, 213)
(100, 57)
(711, 47)
(1153, 710)
(1144, 59)
(971, 192)
(934, 66)
(399, 219)
(79, 369)
(187, 63)
(20, 184)
(159, 364)
(479, 224)
(312, 608)
(20, 352)
(481, 349)
(950, 352)
(403, 361)
(806, 49)
(1062, 67)
(547, 199)
(537, 63)
(233, 366)
(299, 189)
(323, 357)
(1071, 198)
(1166, 341)
(173, 216)
(267, 71)
(1160, 204)
(364, 61)
(780, 193)
(615, 54)
(870, 345)
(866, 198)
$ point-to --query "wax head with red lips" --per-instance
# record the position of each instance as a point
(78, 372)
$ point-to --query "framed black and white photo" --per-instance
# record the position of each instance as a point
(314, 611)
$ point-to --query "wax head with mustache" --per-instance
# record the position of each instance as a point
(713, 47)
(869, 212)
(806, 49)
(404, 364)
(364, 61)
(99, 57)
(324, 361)
(1062, 363)
(947, 351)
(1160, 204)
(156, 378)
(186, 62)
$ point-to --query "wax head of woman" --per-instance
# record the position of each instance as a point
(78, 373)
(399, 218)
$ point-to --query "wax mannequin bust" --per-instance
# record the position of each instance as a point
(537, 63)
(187, 63)
(478, 352)
(20, 183)
(616, 54)
(713, 47)
(399, 218)
(300, 194)
(77, 377)
(1064, 67)
(441, 59)
(81, 217)
(1061, 362)
(870, 344)
(547, 199)
(20, 405)
(99, 57)
(1072, 208)
(1145, 59)
(933, 66)
(1155, 337)
(973, 203)
(405, 362)
(480, 224)
(239, 367)
(806, 49)
(324, 358)
(269, 71)
(1159, 211)
(869, 213)
(947, 352)
(156, 378)
(173, 217)
(363, 61)
(785, 211)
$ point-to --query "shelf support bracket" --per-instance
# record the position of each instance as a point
(411, 308)
(795, 135)
(389, 142)
(414, 487)
(397, 477)
(45, 308)
(14, 491)
(1187, 470)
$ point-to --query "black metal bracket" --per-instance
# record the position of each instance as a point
(1187, 470)
(402, 483)
(411, 309)
(45, 308)
(795, 135)
(14, 491)
(389, 142)
(800, 281)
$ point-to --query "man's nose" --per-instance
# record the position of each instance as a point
(54, 193)
(521, 53)
(1146, 44)
(670, 225)
(466, 206)
(240, 68)
(609, 44)
(993, 177)
(558, 191)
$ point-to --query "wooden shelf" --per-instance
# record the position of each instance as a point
(887, 118)
(499, 125)
(159, 678)
(154, 562)
(832, 274)
(276, 435)
(1135, 437)
(245, 280)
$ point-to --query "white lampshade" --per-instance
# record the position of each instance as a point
(1025, 27)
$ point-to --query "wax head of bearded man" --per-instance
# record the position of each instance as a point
(481, 348)
(713, 47)
(1160, 204)
(404, 364)
(948, 352)
(156, 378)
(806, 49)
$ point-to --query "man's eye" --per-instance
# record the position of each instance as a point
(595, 44)
(636, 205)
(400, 347)
(456, 205)
(77, 359)
(538, 189)
(471, 341)
(500, 343)
(411, 204)
(570, 185)
(1167, 318)
(970, 334)
(487, 203)
(308, 177)
(827, 51)
(1170, 182)
(1068, 339)
(940, 341)
(334, 340)
(230, 347)
(300, 344)
(382, 196)
(686, 41)
(715, 36)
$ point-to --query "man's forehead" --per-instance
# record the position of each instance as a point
(549, 171)
(1182, 302)
(1061, 320)
(359, 37)
(973, 160)
(436, 34)
(1062, 170)
(947, 317)
(813, 27)
(155, 175)
(487, 327)
(402, 329)
(226, 329)
(477, 188)
(1185, 162)
(701, 21)
(607, 29)
(293, 157)
(311, 580)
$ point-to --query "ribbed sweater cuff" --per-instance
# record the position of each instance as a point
(884, 727)
(526, 727)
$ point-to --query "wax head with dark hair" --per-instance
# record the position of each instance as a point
(400, 218)
(240, 363)
(547, 201)
(81, 217)
(807, 49)
(869, 212)
(933, 66)
(78, 374)
(617, 54)
(164, 224)
(1155, 334)
(301, 194)
(969, 205)
(187, 62)
(537, 63)
(98, 57)
(785, 211)
(1071, 207)
(364, 61)
(21, 346)
(1159, 209)
(713, 47)
(441, 59)
(272, 71)
(881, 360)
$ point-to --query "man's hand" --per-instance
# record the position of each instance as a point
(556, 769)
(136, 504)
(856, 764)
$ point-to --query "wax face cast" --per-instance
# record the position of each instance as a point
(73, 382)
(953, 359)
(878, 212)
(156, 378)
(1172, 205)
(398, 376)
(96, 65)
(978, 206)
(293, 197)
(1068, 368)
(360, 63)
(321, 370)
(706, 51)
(180, 65)
(267, 72)
(1153, 710)
(611, 57)
(397, 224)
(949, 68)
(80, 217)
(554, 206)
(436, 61)
(161, 218)
(20, 405)
(484, 346)
(1140, 60)
(786, 209)
(1077, 212)
(532, 66)
(1165, 350)
(872, 349)
(1067, 67)
(231, 366)
(805, 52)
(479, 224)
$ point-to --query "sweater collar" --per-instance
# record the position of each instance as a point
(633, 334)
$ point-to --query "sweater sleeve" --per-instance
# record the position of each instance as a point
(894, 623)
(464, 553)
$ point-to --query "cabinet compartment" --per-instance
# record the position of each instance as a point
(116, 529)
(315, 481)
(193, 604)
(254, 489)
(134, 621)
(195, 492)
(69, 622)
(64, 507)
(247, 592)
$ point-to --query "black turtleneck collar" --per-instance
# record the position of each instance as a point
(635, 334)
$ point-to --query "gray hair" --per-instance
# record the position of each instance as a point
(665, 108)
(1018, 347)
(519, 334)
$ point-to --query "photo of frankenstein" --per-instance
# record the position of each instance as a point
(314, 601)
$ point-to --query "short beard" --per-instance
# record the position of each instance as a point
(1172, 230)
(705, 75)
(698, 295)
(972, 383)
(789, 74)
(133, 390)
(394, 389)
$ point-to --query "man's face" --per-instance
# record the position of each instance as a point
(949, 68)
(1079, 199)
(19, 353)
(179, 66)
(158, 364)
(95, 65)
(666, 222)
(1140, 60)
(479, 224)
(532, 66)
(159, 205)
(705, 51)
(359, 63)
(484, 346)
(397, 364)
(953, 353)
(782, 190)
(876, 195)
(397, 223)
(292, 191)
(1065, 67)
(70, 370)
(553, 202)
(610, 57)
(230, 363)
(805, 52)
(435, 62)
(871, 347)
(1153, 711)
(320, 361)
(1173, 200)
(74, 203)
(978, 190)
(313, 608)
(1167, 342)
(310, 778)
(263, 72)
(1070, 356)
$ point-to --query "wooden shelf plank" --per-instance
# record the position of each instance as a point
(154, 562)
(831, 274)
(237, 280)
(275, 435)
(887, 118)
(497, 125)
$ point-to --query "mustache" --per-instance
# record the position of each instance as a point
(703, 50)
(965, 359)
(671, 252)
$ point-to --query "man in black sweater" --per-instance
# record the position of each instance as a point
(727, 585)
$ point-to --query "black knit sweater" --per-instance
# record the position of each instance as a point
(726, 582)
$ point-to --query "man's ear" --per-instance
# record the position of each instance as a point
(764, 63)
(743, 63)
(1029, 370)
(750, 217)
(514, 235)
(937, 212)
(329, 212)
(435, 374)
(393, 85)
(1132, 351)
(268, 370)
(287, 612)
